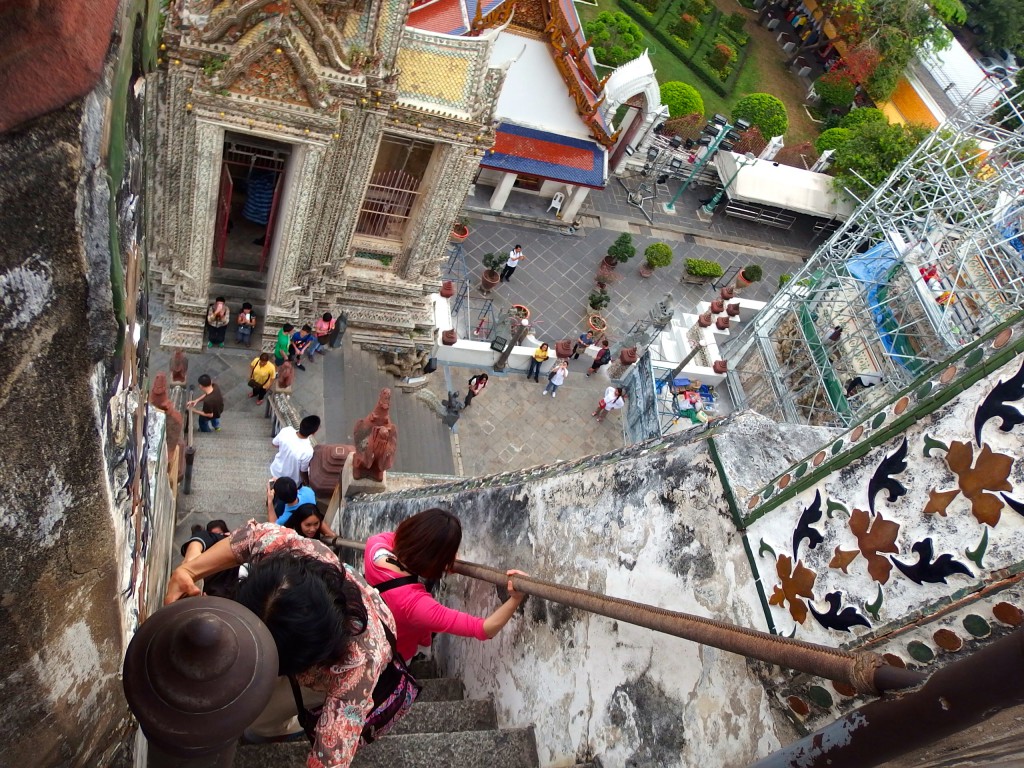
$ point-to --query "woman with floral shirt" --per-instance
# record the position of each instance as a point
(340, 652)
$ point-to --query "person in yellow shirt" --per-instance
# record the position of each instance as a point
(539, 356)
(262, 373)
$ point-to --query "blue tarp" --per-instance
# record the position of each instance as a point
(872, 268)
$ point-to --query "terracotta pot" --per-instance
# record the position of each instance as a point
(628, 356)
(732, 310)
(523, 311)
(609, 262)
(448, 338)
(705, 320)
(741, 281)
(727, 293)
(458, 238)
(722, 323)
(597, 323)
(716, 306)
(447, 289)
(720, 366)
(563, 349)
(489, 280)
(646, 270)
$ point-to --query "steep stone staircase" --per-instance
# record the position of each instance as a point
(442, 729)
(231, 466)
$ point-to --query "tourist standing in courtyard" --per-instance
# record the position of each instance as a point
(556, 377)
(476, 385)
(585, 340)
(539, 356)
(244, 325)
(210, 405)
(261, 376)
(603, 357)
(514, 257)
(294, 451)
(217, 318)
(614, 398)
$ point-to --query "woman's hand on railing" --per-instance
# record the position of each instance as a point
(512, 594)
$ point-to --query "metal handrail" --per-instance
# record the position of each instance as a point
(190, 449)
(867, 672)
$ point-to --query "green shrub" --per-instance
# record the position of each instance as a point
(598, 300)
(857, 117)
(622, 250)
(681, 99)
(720, 56)
(650, 5)
(765, 111)
(783, 279)
(616, 38)
(493, 261)
(698, 8)
(833, 138)
(704, 268)
(735, 22)
(835, 89)
(686, 27)
(752, 273)
(658, 255)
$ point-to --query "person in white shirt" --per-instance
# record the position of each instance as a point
(294, 451)
(514, 257)
(557, 377)
(614, 398)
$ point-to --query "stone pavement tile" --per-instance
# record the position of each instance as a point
(558, 275)
(512, 426)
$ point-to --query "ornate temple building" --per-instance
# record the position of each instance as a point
(314, 154)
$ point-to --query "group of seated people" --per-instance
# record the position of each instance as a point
(338, 633)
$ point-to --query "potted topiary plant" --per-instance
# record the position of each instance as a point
(460, 230)
(655, 255)
(491, 276)
(598, 300)
(621, 251)
(748, 275)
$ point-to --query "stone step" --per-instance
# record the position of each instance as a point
(442, 689)
(423, 669)
(443, 716)
(233, 275)
(512, 748)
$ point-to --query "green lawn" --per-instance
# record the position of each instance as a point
(761, 73)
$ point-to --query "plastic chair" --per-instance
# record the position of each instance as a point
(556, 202)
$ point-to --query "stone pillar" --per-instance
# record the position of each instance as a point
(502, 191)
(572, 204)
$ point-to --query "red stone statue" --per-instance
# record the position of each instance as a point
(158, 396)
(285, 375)
(174, 432)
(376, 439)
(178, 366)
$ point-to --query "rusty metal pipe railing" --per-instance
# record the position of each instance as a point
(190, 448)
(867, 672)
(956, 697)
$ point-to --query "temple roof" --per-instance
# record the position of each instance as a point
(549, 155)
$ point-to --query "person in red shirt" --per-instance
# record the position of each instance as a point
(424, 546)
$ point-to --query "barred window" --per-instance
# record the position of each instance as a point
(394, 187)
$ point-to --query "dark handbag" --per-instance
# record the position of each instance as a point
(551, 374)
(252, 383)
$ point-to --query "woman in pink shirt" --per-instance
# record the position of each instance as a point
(424, 546)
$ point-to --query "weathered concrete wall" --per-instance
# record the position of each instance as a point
(651, 524)
(76, 525)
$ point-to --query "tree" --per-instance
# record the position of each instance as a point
(861, 115)
(752, 141)
(872, 152)
(681, 99)
(833, 138)
(765, 111)
(616, 38)
(1002, 21)
(835, 89)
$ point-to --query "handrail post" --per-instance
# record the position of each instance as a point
(196, 674)
(190, 448)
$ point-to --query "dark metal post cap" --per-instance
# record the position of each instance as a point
(197, 673)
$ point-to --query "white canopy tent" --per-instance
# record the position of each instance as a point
(781, 186)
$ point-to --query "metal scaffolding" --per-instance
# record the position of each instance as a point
(928, 263)
(472, 316)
